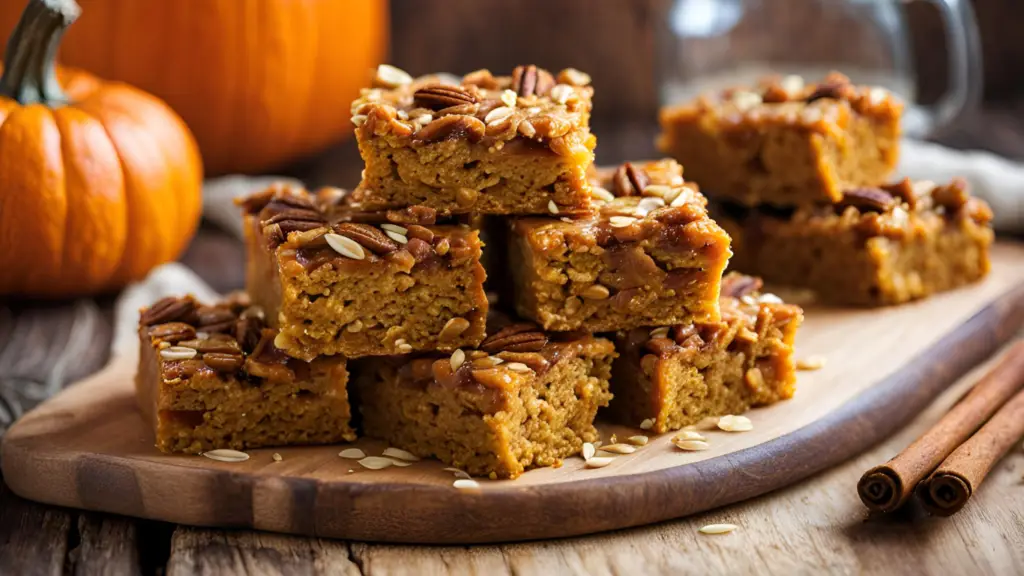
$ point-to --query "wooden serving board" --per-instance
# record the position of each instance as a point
(88, 447)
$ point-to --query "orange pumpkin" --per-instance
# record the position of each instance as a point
(259, 82)
(99, 182)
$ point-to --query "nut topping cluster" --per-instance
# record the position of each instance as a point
(301, 219)
(229, 337)
(633, 191)
(530, 103)
(797, 98)
(905, 197)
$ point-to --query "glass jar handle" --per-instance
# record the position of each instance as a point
(965, 78)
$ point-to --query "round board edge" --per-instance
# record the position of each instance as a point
(446, 516)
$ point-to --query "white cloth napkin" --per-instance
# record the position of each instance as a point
(998, 180)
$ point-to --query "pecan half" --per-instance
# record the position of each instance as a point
(296, 214)
(223, 361)
(523, 337)
(167, 310)
(537, 362)
(867, 200)
(369, 237)
(422, 215)
(214, 319)
(173, 331)
(738, 286)
(630, 180)
(531, 81)
(440, 96)
(214, 343)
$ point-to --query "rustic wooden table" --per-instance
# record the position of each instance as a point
(813, 527)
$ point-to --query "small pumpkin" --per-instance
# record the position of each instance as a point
(99, 182)
(259, 82)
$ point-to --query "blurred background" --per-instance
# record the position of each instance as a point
(265, 85)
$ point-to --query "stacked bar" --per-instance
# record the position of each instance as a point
(797, 175)
(388, 281)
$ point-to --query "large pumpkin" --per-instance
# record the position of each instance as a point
(259, 82)
(99, 182)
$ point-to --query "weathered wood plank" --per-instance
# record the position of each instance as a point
(219, 552)
(33, 537)
(106, 545)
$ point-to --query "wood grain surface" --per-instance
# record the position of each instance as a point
(88, 447)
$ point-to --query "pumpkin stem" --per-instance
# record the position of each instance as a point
(30, 73)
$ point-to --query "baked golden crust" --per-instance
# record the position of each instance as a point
(210, 377)
(339, 281)
(877, 246)
(648, 258)
(677, 376)
(519, 144)
(785, 143)
(524, 399)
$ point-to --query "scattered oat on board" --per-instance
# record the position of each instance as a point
(226, 455)
(353, 453)
(732, 423)
(811, 363)
(376, 462)
(466, 485)
(718, 528)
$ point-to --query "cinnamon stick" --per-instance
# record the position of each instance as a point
(949, 488)
(885, 488)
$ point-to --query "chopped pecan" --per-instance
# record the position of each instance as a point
(835, 87)
(422, 215)
(660, 346)
(214, 319)
(630, 180)
(482, 78)
(978, 210)
(181, 369)
(369, 237)
(522, 337)
(775, 94)
(904, 190)
(952, 196)
(682, 332)
(223, 361)
(167, 310)
(440, 96)
(453, 127)
(419, 249)
(173, 331)
(248, 331)
(739, 285)
(867, 200)
(531, 81)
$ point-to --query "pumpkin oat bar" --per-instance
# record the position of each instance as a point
(878, 246)
(648, 255)
(518, 144)
(524, 399)
(785, 143)
(210, 377)
(677, 376)
(335, 281)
